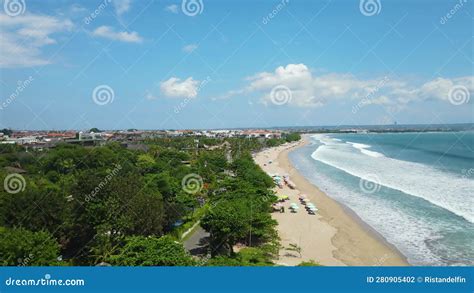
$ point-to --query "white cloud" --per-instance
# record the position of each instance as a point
(122, 6)
(76, 8)
(189, 48)
(176, 88)
(22, 38)
(150, 96)
(172, 8)
(309, 90)
(109, 33)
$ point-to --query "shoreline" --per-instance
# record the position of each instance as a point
(335, 236)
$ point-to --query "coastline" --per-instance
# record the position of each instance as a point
(335, 236)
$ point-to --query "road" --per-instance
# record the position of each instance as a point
(197, 243)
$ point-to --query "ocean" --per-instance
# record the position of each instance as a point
(414, 189)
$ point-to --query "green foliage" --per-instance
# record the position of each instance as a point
(293, 136)
(102, 203)
(309, 263)
(249, 256)
(26, 248)
(247, 170)
(151, 251)
(6, 131)
(145, 162)
(241, 214)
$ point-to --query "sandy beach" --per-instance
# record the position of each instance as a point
(334, 236)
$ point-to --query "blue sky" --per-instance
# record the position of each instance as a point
(218, 64)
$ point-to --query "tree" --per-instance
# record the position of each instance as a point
(296, 248)
(227, 222)
(293, 136)
(152, 251)
(6, 131)
(42, 206)
(145, 162)
(26, 248)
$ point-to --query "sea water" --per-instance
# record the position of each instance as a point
(415, 189)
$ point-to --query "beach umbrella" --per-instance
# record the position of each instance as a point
(303, 196)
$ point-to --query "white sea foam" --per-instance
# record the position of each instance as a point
(455, 194)
(363, 148)
(407, 233)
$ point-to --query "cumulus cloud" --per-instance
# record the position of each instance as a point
(122, 6)
(109, 33)
(439, 88)
(172, 8)
(189, 48)
(22, 38)
(175, 88)
(310, 90)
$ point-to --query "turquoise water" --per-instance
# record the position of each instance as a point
(415, 189)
